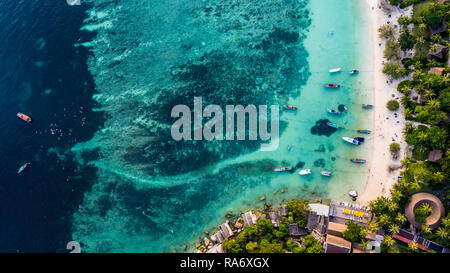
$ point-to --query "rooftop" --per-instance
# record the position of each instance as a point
(336, 244)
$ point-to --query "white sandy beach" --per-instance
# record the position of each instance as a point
(387, 128)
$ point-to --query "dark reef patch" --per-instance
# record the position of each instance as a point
(319, 163)
(321, 149)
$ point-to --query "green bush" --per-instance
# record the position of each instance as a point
(393, 105)
(395, 70)
(394, 148)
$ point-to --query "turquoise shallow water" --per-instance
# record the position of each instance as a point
(153, 194)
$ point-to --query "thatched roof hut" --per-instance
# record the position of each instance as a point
(435, 156)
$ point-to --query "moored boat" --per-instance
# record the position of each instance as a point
(24, 117)
(367, 106)
(290, 107)
(23, 167)
(304, 172)
(351, 140)
(331, 124)
(283, 169)
(325, 173)
(367, 132)
(357, 160)
(335, 70)
(360, 139)
(331, 85)
(354, 71)
(333, 112)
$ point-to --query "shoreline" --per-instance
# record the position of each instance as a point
(386, 126)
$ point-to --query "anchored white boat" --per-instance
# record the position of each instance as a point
(325, 173)
(304, 172)
(351, 140)
(334, 70)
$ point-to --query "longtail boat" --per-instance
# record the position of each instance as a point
(367, 106)
(353, 72)
(331, 124)
(283, 169)
(334, 112)
(289, 107)
(25, 117)
(357, 160)
(331, 85)
(367, 132)
(351, 140)
(335, 70)
(23, 167)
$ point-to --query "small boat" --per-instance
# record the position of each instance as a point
(325, 173)
(23, 167)
(331, 124)
(357, 160)
(289, 148)
(335, 70)
(334, 112)
(304, 172)
(283, 169)
(360, 139)
(367, 132)
(331, 85)
(367, 106)
(353, 72)
(289, 107)
(25, 117)
(351, 140)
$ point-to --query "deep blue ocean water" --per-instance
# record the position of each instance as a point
(44, 75)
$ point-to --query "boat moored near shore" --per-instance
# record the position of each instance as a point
(358, 160)
(283, 169)
(351, 140)
(305, 172)
(331, 85)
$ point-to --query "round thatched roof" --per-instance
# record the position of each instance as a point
(418, 199)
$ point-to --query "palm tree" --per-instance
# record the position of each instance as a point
(364, 244)
(429, 95)
(442, 233)
(392, 206)
(446, 222)
(401, 218)
(426, 229)
(413, 246)
(384, 219)
(373, 226)
(393, 228)
(388, 241)
(432, 103)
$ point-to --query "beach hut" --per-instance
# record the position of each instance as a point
(439, 71)
(217, 237)
(336, 244)
(275, 218)
(435, 156)
(249, 218)
(283, 211)
(226, 230)
(295, 231)
(439, 52)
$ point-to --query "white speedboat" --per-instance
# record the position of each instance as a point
(334, 70)
(351, 140)
(325, 173)
(304, 172)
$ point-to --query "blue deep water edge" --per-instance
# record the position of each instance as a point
(100, 79)
(44, 76)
